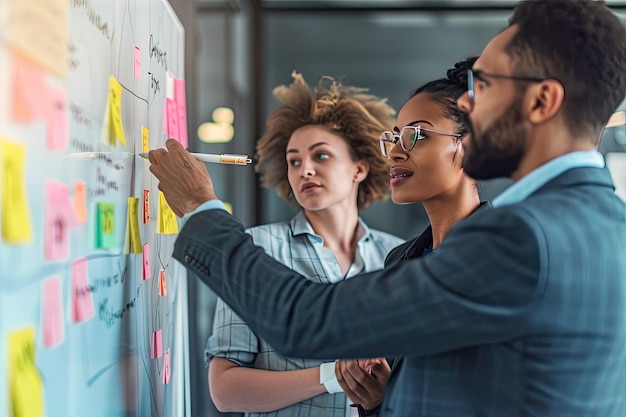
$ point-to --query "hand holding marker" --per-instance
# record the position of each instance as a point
(217, 159)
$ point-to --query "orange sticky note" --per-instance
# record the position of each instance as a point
(162, 283)
(57, 119)
(156, 350)
(30, 91)
(80, 201)
(58, 219)
(166, 367)
(82, 301)
(25, 387)
(146, 269)
(145, 139)
(52, 312)
(16, 224)
(166, 220)
(181, 103)
(146, 206)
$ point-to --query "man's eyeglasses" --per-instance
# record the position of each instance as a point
(408, 137)
(479, 75)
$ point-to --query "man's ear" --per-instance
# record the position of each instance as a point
(546, 100)
(362, 169)
(457, 159)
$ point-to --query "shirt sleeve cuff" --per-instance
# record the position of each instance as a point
(208, 205)
(329, 378)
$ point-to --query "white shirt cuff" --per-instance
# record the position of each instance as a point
(328, 378)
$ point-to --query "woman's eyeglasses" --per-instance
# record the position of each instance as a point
(408, 137)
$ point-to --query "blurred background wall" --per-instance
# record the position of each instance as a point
(237, 51)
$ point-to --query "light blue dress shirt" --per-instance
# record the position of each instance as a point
(521, 189)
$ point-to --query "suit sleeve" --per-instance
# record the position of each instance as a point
(478, 287)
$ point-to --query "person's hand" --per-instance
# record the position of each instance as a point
(184, 180)
(363, 381)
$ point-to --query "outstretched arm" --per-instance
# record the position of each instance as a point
(478, 287)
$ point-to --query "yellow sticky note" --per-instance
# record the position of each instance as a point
(229, 207)
(16, 225)
(166, 221)
(115, 103)
(133, 225)
(25, 388)
(145, 139)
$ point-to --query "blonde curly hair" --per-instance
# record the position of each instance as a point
(347, 111)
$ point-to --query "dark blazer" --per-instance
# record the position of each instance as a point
(520, 312)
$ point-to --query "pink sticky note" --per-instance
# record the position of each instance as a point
(137, 59)
(172, 119)
(82, 301)
(52, 311)
(30, 92)
(173, 130)
(58, 218)
(181, 102)
(146, 270)
(166, 367)
(156, 350)
(57, 119)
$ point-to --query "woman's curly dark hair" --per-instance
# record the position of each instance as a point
(446, 91)
(349, 112)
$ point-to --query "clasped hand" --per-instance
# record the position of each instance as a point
(363, 380)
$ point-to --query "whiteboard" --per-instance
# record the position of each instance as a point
(104, 361)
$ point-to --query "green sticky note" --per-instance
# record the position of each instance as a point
(105, 226)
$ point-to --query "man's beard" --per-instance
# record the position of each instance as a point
(499, 150)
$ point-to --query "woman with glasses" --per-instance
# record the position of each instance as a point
(426, 151)
(321, 153)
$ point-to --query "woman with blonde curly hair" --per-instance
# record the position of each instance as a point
(320, 152)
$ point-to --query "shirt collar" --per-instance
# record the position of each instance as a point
(300, 225)
(537, 178)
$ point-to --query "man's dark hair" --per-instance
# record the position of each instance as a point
(580, 43)
(446, 92)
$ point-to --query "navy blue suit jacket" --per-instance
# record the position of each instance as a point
(520, 312)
